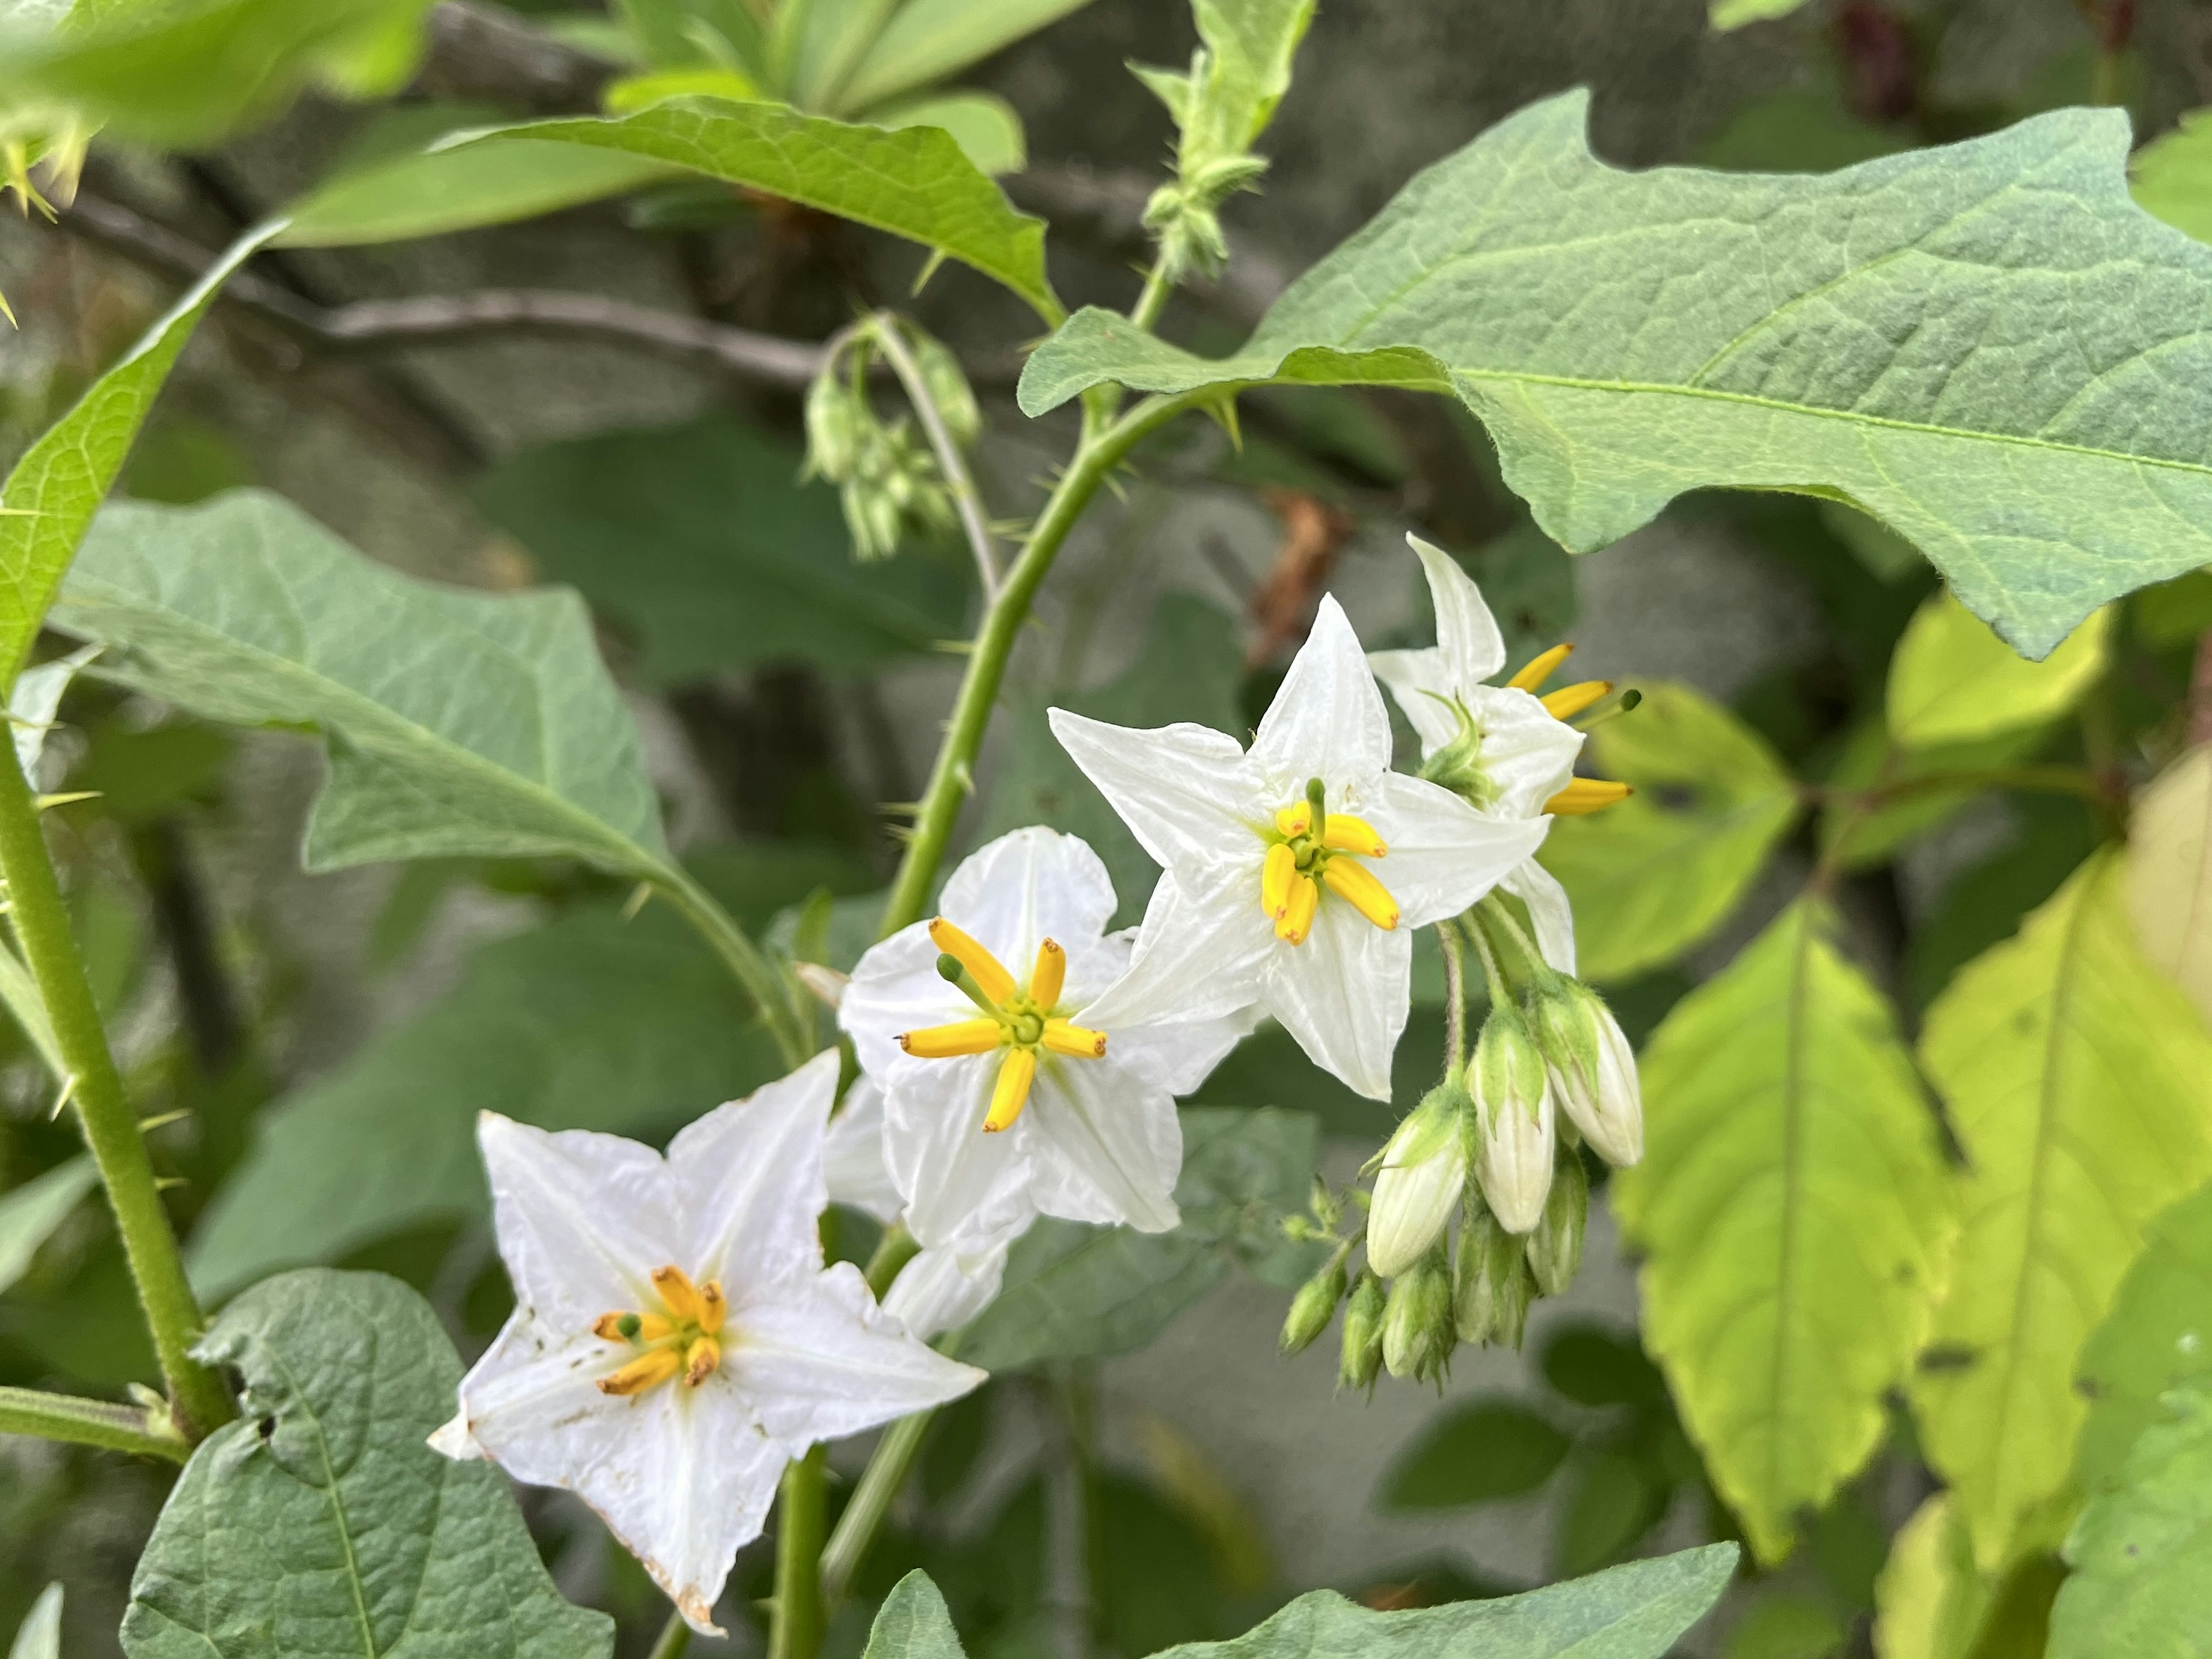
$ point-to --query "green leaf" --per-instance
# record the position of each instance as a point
(1237, 80)
(446, 189)
(913, 183)
(1476, 1453)
(2142, 1554)
(51, 496)
(39, 1635)
(700, 544)
(586, 1024)
(1786, 1625)
(931, 40)
(1734, 14)
(30, 1213)
(2169, 880)
(1932, 1598)
(2173, 175)
(914, 1623)
(2157, 1337)
(2079, 1083)
(1072, 1291)
(1792, 1211)
(985, 125)
(1187, 671)
(319, 1525)
(1654, 875)
(457, 723)
(1895, 334)
(1954, 681)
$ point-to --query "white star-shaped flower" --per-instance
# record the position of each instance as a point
(676, 1340)
(1520, 754)
(1004, 1098)
(1309, 916)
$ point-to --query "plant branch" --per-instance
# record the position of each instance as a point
(965, 497)
(90, 1423)
(752, 971)
(2028, 779)
(1454, 996)
(795, 1631)
(881, 1483)
(674, 1640)
(197, 1396)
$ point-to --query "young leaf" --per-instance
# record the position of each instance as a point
(588, 1023)
(1654, 874)
(30, 1213)
(2173, 175)
(2142, 1554)
(446, 189)
(2157, 1337)
(1932, 1598)
(1248, 46)
(457, 723)
(58, 486)
(320, 1525)
(2079, 1082)
(913, 183)
(1792, 1210)
(927, 41)
(1954, 681)
(989, 131)
(39, 1635)
(1896, 334)
(914, 1623)
(2169, 882)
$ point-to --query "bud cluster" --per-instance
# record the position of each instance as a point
(889, 482)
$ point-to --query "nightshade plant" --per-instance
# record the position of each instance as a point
(1991, 1252)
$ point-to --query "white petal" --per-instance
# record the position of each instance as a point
(1327, 720)
(946, 1286)
(1466, 634)
(1105, 1145)
(1548, 907)
(1187, 792)
(1201, 954)
(958, 1181)
(895, 987)
(749, 1177)
(1180, 1054)
(853, 1162)
(582, 1218)
(822, 1361)
(1443, 854)
(1528, 755)
(1029, 885)
(1411, 1207)
(1344, 994)
(1513, 1160)
(1421, 684)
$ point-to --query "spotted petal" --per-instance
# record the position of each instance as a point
(582, 1218)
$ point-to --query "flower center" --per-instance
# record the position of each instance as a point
(1311, 848)
(1019, 1019)
(682, 1338)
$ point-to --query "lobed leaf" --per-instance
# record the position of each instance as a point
(1986, 345)
(320, 1525)
(2079, 1083)
(1953, 681)
(2157, 1337)
(1656, 874)
(1793, 1212)
(2169, 878)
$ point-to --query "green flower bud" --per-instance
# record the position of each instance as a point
(1362, 1351)
(1418, 1334)
(1593, 1069)
(836, 427)
(1422, 1174)
(1313, 1307)
(1555, 1249)
(1458, 765)
(1513, 1124)
(948, 388)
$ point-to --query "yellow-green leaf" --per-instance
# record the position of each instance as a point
(441, 190)
(2157, 1337)
(2173, 176)
(1654, 875)
(2079, 1082)
(1930, 1599)
(1792, 1208)
(1952, 680)
(1734, 14)
(2170, 874)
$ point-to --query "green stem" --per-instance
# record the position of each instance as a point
(752, 971)
(674, 1639)
(967, 499)
(1160, 288)
(90, 1423)
(1454, 996)
(1501, 994)
(952, 777)
(881, 1482)
(795, 1631)
(893, 1251)
(1495, 910)
(196, 1394)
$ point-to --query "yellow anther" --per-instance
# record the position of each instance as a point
(1279, 870)
(1011, 1093)
(1586, 795)
(962, 1036)
(1570, 701)
(1356, 886)
(1081, 1041)
(700, 1360)
(1298, 917)
(714, 1306)
(1540, 669)
(1049, 974)
(649, 1369)
(1292, 820)
(993, 980)
(1349, 834)
(678, 1295)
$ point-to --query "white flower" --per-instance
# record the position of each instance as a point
(1004, 1097)
(676, 1340)
(852, 1155)
(1521, 755)
(1255, 906)
(1515, 1128)
(1593, 1070)
(1419, 1186)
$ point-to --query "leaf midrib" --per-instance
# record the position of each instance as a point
(278, 1363)
(1793, 1102)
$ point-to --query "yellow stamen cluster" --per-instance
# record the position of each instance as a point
(682, 1339)
(1019, 1019)
(1300, 863)
(1583, 795)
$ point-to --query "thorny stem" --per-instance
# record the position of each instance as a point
(90, 1423)
(950, 461)
(1158, 287)
(1455, 997)
(795, 1633)
(197, 1396)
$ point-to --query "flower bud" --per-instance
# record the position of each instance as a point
(836, 425)
(1313, 1307)
(1362, 1352)
(1555, 1249)
(1593, 1069)
(1417, 1322)
(1423, 1171)
(1490, 1284)
(1514, 1142)
(948, 388)
(1458, 765)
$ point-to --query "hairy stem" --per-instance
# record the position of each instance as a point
(752, 971)
(198, 1394)
(795, 1631)
(90, 1423)
(950, 461)
(1454, 996)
